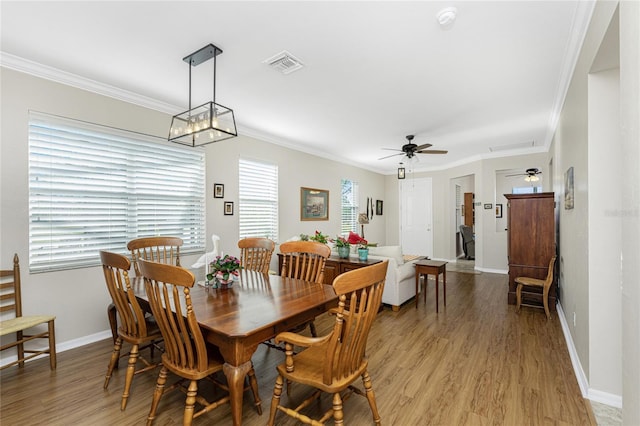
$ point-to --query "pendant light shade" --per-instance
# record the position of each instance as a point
(209, 122)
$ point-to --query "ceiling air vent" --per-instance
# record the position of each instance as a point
(284, 62)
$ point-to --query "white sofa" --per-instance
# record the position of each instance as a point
(400, 284)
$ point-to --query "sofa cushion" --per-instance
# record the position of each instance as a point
(388, 251)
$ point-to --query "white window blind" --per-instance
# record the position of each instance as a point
(350, 206)
(94, 188)
(258, 199)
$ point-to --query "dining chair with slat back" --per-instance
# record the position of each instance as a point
(136, 328)
(304, 260)
(332, 363)
(162, 249)
(11, 306)
(255, 253)
(545, 285)
(187, 354)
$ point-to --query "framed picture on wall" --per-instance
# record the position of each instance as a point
(378, 207)
(218, 190)
(568, 189)
(314, 204)
(498, 210)
(228, 208)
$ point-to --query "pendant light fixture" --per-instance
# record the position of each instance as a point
(209, 122)
(401, 171)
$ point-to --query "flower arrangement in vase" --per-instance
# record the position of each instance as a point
(363, 247)
(223, 270)
(343, 247)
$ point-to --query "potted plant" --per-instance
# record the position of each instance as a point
(361, 243)
(343, 247)
(319, 237)
(223, 271)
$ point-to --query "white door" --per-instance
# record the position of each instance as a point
(416, 216)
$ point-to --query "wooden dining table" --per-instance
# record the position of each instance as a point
(254, 309)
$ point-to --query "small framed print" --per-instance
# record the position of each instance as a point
(228, 208)
(378, 207)
(498, 210)
(488, 206)
(218, 190)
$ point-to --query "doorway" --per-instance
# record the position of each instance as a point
(416, 216)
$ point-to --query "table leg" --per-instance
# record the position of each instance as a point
(417, 283)
(235, 379)
(437, 276)
(444, 285)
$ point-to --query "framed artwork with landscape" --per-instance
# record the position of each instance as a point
(314, 204)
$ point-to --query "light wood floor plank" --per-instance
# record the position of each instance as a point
(477, 362)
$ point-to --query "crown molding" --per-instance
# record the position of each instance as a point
(36, 69)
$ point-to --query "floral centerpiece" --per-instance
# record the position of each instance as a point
(363, 245)
(343, 246)
(356, 239)
(223, 270)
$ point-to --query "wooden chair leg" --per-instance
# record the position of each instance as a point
(190, 403)
(312, 328)
(275, 401)
(545, 302)
(157, 394)
(338, 413)
(52, 345)
(113, 320)
(115, 354)
(518, 297)
(371, 397)
(253, 383)
(131, 371)
(20, 348)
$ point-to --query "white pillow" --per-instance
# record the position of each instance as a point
(388, 251)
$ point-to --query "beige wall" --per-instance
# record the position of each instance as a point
(599, 249)
(491, 245)
(78, 297)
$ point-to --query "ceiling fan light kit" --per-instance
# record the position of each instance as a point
(209, 122)
(410, 149)
(530, 175)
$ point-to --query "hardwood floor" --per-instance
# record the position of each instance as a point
(477, 362)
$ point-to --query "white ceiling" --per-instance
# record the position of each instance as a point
(374, 71)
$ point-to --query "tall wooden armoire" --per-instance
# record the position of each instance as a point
(530, 242)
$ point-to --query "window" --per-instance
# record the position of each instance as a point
(349, 207)
(526, 189)
(258, 199)
(94, 188)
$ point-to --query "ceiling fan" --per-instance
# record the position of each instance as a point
(410, 149)
(530, 174)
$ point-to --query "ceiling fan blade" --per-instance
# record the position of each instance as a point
(424, 146)
(392, 155)
(519, 174)
(392, 149)
(433, 151)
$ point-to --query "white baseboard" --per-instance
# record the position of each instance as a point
(493, 271)
(65, 346)
(587, 392)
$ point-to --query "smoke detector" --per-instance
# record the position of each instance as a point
(446, 17)
(284, 62)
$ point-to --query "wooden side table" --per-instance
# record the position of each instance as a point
(431, 267)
